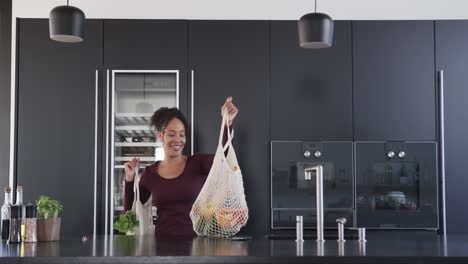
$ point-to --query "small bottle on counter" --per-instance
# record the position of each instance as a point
(6, 214)
(19, 202)
(30, 224)
(15, 224)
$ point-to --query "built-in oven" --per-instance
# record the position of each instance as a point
(292, 194)
(396, 185)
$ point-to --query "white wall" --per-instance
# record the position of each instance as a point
(251, 9)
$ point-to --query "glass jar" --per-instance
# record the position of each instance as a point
(15, 223)
(31, 224)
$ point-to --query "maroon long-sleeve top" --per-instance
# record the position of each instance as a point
(172, 197)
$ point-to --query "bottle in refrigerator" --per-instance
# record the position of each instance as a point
(6, 214)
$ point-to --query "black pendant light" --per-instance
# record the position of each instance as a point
(66, 24)
(315, 30)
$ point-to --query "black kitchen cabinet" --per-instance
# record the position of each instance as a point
(452, 58)
(231, 58)
(311, 89)
(56, 119)
(292, 194)
(393, 80)
(148, 45)
(5, 89)
(396, 185)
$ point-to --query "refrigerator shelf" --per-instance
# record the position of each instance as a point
(142, 166)
(130, 158)
(133, 119)
(134, 133)
(138, 144)
(164, 90)
(132, 128)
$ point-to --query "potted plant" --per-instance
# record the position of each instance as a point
(127, 223)
(48, 220)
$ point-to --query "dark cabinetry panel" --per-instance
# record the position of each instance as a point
(311, 89)
(393, 76)
(148, 45)
(5, 73)
(55, 120)
(452, 58)
(230, 58)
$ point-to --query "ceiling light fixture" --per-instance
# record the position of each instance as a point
(66, 24)
(315, 30)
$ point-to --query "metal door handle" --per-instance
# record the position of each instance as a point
(192, 89)
(106, 204)
(442, 147)
(96, 93)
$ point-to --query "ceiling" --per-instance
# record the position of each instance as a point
(252, 9)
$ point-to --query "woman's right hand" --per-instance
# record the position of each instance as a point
(131, 168)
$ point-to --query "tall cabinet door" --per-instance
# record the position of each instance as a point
(230, 58)
(311, 89)
(148, 45)
(452, 58)
(56, 120)
(393, 80)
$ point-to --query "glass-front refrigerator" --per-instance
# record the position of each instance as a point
(133, 96)
(292, 194)
(396, 185)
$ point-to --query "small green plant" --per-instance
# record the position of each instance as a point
(127, 223)
(47, 207)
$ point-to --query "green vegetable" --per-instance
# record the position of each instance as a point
(127, 223)
(47, 207)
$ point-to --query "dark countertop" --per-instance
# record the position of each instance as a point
(382, 247)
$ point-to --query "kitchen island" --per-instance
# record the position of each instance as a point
(381, 247)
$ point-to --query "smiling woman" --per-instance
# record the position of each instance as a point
(175, 182)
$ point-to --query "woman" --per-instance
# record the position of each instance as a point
(176, 181)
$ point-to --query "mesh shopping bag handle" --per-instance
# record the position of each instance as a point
(230, 136)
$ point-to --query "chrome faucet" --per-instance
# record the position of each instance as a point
(319, 196)
(341, 222)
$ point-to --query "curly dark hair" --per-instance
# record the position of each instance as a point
(164, 115)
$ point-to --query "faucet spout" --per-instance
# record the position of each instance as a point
(319, 196)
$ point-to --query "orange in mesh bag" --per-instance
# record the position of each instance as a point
(220, 209)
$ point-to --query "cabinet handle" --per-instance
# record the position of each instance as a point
(442, 146)
(391, 154)
(106, 204)
(96, 93)
(112, 155)
(192, 120)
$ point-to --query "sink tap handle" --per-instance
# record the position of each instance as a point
(341, 222)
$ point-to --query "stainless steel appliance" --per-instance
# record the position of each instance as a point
(131, 98)
(292, 194)
(396, 184)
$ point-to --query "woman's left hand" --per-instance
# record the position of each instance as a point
(231, 110)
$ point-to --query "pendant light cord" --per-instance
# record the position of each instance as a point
(315, 6)
(69, 0)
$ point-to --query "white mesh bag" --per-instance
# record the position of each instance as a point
(220, 209)
(143, 211)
